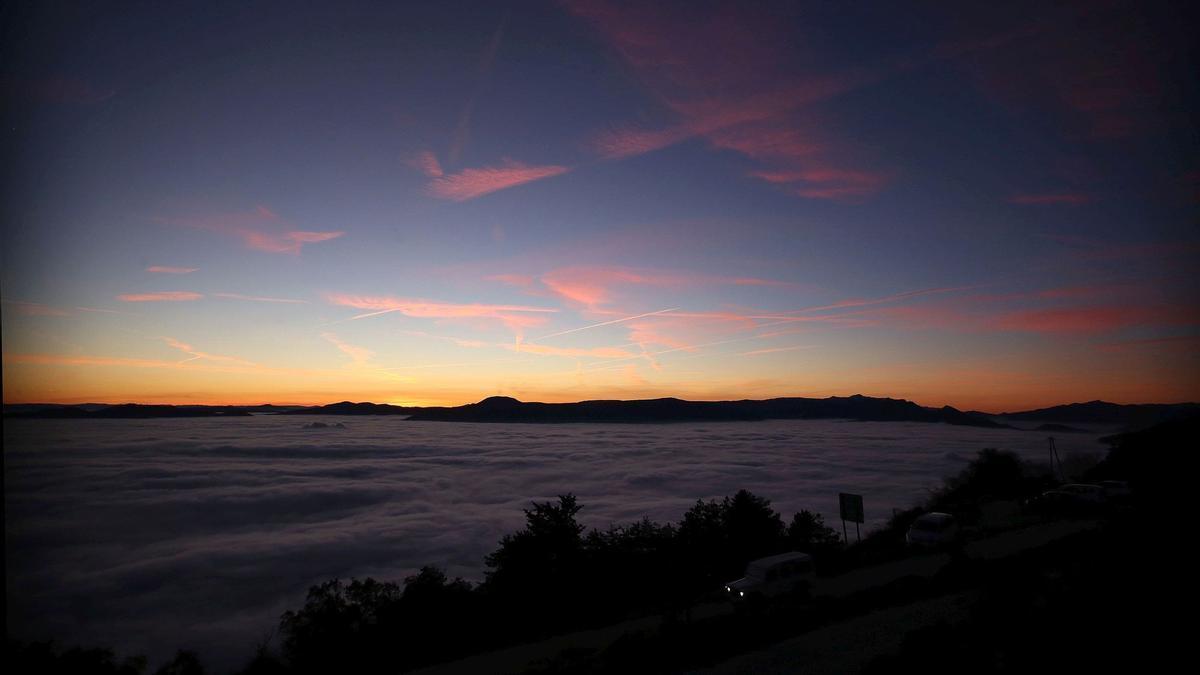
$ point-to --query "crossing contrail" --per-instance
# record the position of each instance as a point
(604, 323)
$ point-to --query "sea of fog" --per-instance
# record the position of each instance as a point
(153, 535)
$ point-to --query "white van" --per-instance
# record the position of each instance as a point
(774, 575)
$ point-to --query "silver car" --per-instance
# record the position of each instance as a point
(933, 529)
(774, 575)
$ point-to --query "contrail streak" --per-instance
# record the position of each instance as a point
(604, 323)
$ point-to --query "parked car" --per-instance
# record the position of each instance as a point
(932, 530)
(1073, 499)
(772, 576)
(1085, 493)
(1115, 490)
(1053, 503)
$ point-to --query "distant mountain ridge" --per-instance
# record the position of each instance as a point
(348, 408)
(507, 409)
(1134, 415)
(857, 407)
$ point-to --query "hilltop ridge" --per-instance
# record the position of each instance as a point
(669, 409)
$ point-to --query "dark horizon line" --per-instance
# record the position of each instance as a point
(614, 400)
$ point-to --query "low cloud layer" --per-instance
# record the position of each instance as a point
(151, 535)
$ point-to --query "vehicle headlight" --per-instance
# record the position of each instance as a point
(728, 589)
(742, 594)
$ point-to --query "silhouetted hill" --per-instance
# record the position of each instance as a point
(348, 408)
(1137, 415)
(858, 407)
(508, 409)
(126, 411)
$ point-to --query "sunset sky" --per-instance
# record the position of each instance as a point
(430, 203)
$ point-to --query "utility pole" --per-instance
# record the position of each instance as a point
(1054, 458)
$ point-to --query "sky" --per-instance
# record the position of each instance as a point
(991, 206)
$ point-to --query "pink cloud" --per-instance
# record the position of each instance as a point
(1091, 319)
(473, 183)
(161, 296)
(608, 323)
(631, 141)
(427, 163)
(758, 104)
(1187, 342)
(160, 269)
(1069, 198)
(650, 333)
(516, 317)
(260, 229)
(596, 285)
(826, 182)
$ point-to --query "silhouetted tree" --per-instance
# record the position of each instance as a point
(539, 568)
(184, 663)
(808, 532)
(993, 474)
(44, 657)
(632, 566)
(753, 528)
(719, 538)
(341, 628)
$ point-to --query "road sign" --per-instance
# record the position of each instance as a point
(851, 507)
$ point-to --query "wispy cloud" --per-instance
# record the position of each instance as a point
(359, 356)
(759, 104)
(35, 309)
(160, 296)
(260, 229)
(258, 298)
(122, 362)
(1099, 319)
(427, 163)
(895, 297)
(461, 342)
(606, 323)
(1051, 198)
(1091, 66)
(594, 352)
(197, 355)
(462, 131)
(516, 317)
(473, 183)
(1174, 341)
(162, 269)
(98, 310)
(775, 350)
(594, 286)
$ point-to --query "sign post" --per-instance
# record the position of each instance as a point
(851, 507)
